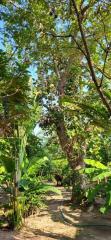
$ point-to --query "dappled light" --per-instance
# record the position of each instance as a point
(55, 119)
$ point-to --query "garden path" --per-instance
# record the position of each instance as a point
(58, 221)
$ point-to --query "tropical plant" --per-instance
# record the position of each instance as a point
(99, 176)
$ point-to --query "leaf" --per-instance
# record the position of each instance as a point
(91, 193)
(44, 188)
(109, 198)
(103, 209)
(95, 164)
(102, 176)
(2, 170)
(89, 170)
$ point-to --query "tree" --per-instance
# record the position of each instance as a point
(71, 60)
(14, 101)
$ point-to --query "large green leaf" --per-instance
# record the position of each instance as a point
(95, 164)
(102, 176)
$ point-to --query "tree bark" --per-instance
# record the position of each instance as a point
(76, 162)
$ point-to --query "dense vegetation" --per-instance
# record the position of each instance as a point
(55, 102)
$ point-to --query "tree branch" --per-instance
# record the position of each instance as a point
(15, 4)
(67, 36)
(89, 61)
(9, 59)
(103, 70)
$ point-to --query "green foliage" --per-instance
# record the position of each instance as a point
(95, 164)
(33, 192)
(100, 174)
(72, 87)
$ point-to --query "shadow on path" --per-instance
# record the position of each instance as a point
(50, 224)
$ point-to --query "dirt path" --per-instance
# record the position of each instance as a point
(50, 224)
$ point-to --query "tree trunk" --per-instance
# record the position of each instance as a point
(76, 162)
(19, 150)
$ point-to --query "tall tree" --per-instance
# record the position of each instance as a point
(71, 59)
